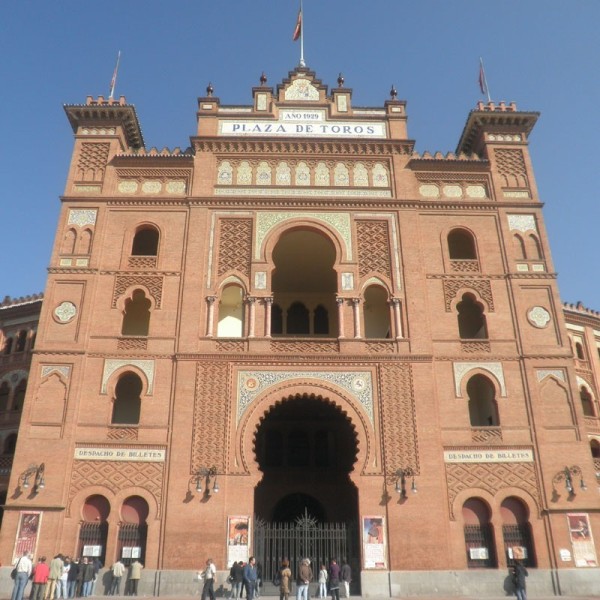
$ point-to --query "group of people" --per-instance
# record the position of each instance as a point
(331, 578)
(245, 577)
(118, 570)
(62, 577)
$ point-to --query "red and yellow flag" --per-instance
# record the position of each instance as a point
(298, 28)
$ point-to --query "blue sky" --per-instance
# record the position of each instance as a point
(542, 54)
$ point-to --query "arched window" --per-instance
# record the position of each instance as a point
(376, 313)
(483, 411)
(136, 320)
(68, 245)
(85, 242)
(579, 351)
(479, 535)
(276, 319)
(516, 532)
(8, 344)
(145, 242)
(587, 403)
(128, 402)
(297, 319)
(4, 396)
(519, 247)
(231, 312)
(471, 319)
(21, 341)
(535, 248)
(94, 528)
(19, 397)
(321, 321)
(133, 528)
(10, 443)
(461, 245)
(595, 449)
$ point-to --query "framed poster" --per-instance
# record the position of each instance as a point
(374, 542)
(238, 539)
(584, 550)
(27, 533)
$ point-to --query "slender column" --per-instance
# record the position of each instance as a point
(356, 310)
(268, 305)
(340, 305)
(251, 301)
(211, 315)
(397, 318)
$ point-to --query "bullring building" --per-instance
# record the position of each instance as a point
(300, 337)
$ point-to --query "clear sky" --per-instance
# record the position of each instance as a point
(542, 54)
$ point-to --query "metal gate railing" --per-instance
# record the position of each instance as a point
(93, 536)
(305, 538)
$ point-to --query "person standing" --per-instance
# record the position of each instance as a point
(88, 577)
(236, 573)
(56, 569)
(305, 576)
(250, 577)
(346, 577)
(41, 571)
(519, 574)
(209, 573)
(285, 580)
(23, 567)
(118, 570)
(334, 580)
(72, 578)
(135, 574)
(322, 582)
(62, 590)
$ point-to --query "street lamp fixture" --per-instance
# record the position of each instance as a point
(204, 476)
(35, 473)
(401, 476)
(568, 475)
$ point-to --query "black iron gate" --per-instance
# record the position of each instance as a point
(305, 538)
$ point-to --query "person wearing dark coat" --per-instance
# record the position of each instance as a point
(519, 572)
(236, 573)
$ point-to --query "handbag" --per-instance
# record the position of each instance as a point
(13, 573)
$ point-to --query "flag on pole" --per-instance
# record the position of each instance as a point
(483, 85)
(298, 28)
(113, 81)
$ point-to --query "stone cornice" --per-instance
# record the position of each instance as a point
(355, 148)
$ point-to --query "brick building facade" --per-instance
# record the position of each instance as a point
(303, 314)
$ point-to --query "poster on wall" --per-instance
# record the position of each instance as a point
(374, 546)
(27, 533)
(584, 551)
(238, 539)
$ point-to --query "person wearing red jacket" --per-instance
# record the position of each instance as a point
(41, 572)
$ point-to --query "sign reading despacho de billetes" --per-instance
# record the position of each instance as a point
(487, 456)
(121, 454)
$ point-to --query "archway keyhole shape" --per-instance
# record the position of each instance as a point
(304, 284)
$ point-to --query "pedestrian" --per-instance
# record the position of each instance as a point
(236, 574)
(250, 576)
(334, 580)
(40, 574)
(79, 581)
(135, 574)
(22, 571)
(97, 563)
(209, 573)
(519, 572)
(72, 578)
(63, 586)
(346, 577)
(285, 580)
(305, 576)
(56, 568)
(322, 582)
(117, 571)
(88, 577)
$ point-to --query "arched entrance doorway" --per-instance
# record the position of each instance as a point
(306, 504)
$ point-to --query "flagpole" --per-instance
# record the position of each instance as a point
(302, 63)
(487, 87)
(113, 81)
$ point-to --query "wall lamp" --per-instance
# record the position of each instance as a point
(35, 472)
(401, 476)
(568, 474)
(206, 475)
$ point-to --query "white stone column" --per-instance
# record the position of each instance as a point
(210, 321)
(340, 305)
(268, 305)
(356, 310)
(397, 317)
(250, 301)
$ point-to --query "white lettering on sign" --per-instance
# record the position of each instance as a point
(121, 454)
(337, 129)
(487, 456)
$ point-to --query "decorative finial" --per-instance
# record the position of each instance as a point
(340, 80)
(393, 92)
(209, 89)
(263, 78)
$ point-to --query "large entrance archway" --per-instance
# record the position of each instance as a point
(306, 448)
